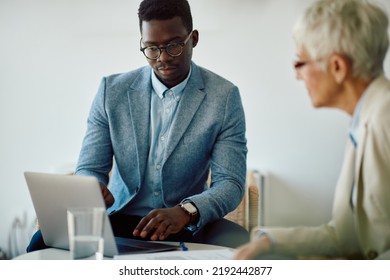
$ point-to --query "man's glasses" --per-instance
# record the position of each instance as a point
(174, 49)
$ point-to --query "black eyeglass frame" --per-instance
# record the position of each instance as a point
(166, 47)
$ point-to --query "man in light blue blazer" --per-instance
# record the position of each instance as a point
(161, 129)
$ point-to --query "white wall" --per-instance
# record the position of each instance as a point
(53, 54)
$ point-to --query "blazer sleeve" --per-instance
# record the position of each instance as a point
(338, 238)
(317, 241)
(228, 164)
(96, 155)
(374, 183)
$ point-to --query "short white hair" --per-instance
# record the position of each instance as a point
(356, 29)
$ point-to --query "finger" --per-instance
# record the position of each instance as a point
(169, 230)
(149, 227)
(108, 199)
(160, 230)
(107, 196)
(139, 228)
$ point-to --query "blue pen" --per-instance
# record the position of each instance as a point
(183, 246)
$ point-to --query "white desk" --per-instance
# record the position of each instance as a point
(59, 254)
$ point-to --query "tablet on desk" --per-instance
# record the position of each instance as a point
(53, 194)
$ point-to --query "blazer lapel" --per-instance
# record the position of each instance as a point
(189, 104)
(139, 96)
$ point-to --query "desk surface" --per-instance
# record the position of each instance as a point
(59, 254)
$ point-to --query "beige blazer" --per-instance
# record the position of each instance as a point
(360, 229)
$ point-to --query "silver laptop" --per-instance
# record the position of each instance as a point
(53, 194)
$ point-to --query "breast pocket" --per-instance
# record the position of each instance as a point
(198, 139)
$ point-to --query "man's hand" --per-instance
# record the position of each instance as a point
(160, 223)
(107, 196)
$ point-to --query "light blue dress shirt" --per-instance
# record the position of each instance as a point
(163, 107)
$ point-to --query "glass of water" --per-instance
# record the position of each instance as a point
(85, 231)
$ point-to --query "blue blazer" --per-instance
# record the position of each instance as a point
(208, 134)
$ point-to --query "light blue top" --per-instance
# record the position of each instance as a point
(207, 134)
(163, 107)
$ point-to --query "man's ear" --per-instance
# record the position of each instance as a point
(195, 38)
(339, 67)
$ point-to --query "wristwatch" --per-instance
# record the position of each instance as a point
(190, 209)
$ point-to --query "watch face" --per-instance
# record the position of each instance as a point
(190, 208)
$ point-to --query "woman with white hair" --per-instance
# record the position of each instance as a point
(341, 46)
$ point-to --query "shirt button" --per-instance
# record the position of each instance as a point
(170, 92)
(156, 193)
(162, 138)
(158, 166)
(167, 111)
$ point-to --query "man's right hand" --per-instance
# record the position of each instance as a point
(162, 222)
(107, 196)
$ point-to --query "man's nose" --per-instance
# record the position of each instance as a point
(164, 56)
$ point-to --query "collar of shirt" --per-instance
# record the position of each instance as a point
(159, 88)
(354, 126)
